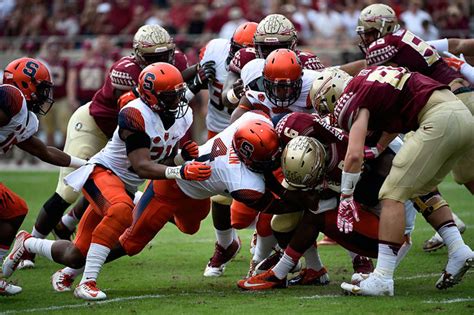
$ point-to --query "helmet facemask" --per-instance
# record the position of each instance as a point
(171, 103)
(283, 93)
(42, 100)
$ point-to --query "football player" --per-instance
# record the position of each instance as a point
(142, 146)
(238, 157)
(93, 124)
(385, 43)
(411, 102)
(26, 91)
(220, 52)
(275, 31)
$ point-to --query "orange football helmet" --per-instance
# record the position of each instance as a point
(162, 88)
(242, 38)
(257, 145)
(282, 77)
(33, 79)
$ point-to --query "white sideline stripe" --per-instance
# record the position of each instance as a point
(449, 301)
(87, 304)
(319, 296)
(427, 275)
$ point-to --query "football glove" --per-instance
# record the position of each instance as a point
(195, 171)
(347, 212)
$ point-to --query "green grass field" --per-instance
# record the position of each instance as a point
(167, 276)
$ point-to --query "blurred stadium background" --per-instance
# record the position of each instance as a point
(69, 32)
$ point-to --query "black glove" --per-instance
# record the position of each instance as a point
(205, 73)
(238, 88)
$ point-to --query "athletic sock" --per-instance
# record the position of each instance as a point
(96, 257)
(73, 272)
(39, 246)
(451, 237)
(403, 251)
(286, 263)
(264, 247)
(37, 234)
(387, 259)
(69, 220)
(225, 237)
(312, 259)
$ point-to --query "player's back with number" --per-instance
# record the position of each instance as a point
(228, 172)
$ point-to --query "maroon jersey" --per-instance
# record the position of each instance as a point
(245, 55)
(393, 96)
(311, 125)
(90, 77)
(407, 50)
(180, 60)
(123, 76)
(58, 69)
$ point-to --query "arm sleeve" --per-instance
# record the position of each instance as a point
(468, 72)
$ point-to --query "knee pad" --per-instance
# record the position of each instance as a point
(287, 222)
(223, 200)
(429, 203)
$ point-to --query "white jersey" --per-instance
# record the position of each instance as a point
(22, 125)
(254, 69)
(218, 116)
(228, 173)
(137, 116)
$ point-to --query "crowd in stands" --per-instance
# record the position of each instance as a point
(320, 22)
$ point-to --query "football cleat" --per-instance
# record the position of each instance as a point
(362, 264)
(18, 252)
(25, 264)
(61, 232)
(358, 277)
(89, 291)
(436, 242)
(456, 268)
(7, 289)
(251, 272)
(216, 265)
(308, 276)
(263, 281)
(61, 281)
(374, 285)
(327, 241)
(271, 261)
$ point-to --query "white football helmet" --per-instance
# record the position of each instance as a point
(152, 43)
(303, 162)
(327, 87)
(273, 32)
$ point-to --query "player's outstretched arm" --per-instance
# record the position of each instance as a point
(51, 155)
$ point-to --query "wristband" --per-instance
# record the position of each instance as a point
(231, 97)
(76, 162)
(439, 44)
(348, 182)
(178, 159)
(173, 172)
(189, 95)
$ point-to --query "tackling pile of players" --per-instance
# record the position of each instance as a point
(293, 149)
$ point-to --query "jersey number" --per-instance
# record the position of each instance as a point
(426, 51)
(389, 75)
